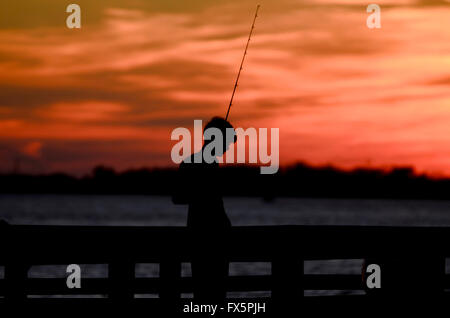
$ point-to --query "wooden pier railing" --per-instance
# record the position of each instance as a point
(284, 247)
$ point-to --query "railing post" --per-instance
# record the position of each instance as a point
(121, 276)
(287, 281)
(16, 275)
(169, 276)
(16, 267)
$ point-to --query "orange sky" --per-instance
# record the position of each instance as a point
(112, 92)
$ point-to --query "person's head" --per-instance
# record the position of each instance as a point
(225, 128)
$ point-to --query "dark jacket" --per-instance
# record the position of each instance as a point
(200, 186)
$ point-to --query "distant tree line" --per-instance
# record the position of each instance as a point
(299, 180)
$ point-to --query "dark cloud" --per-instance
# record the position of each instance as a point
(444, 80)
(108, 86)
(51, 13)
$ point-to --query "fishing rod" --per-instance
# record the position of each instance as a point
(242, 62)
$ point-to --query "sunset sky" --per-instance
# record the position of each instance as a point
(111, 92)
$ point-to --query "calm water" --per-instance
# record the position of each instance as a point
(158, 210)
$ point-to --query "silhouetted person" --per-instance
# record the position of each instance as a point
(200, 186)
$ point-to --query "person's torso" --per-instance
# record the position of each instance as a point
(206, 208)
